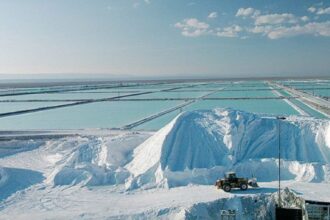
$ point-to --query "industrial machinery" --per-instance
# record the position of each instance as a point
(232, 181)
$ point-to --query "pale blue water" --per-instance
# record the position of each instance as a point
(119, 113)
(18, 106)
(95, 115)
(123, 89)
(304, 107)
(169, 95)
(319, 92)
(64, 96)
(243, 94)
(315, 87)
(267, 106)
(307, 109)
(273, 107)
(155, 124)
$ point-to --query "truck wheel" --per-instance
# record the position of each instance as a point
(243, 186)
(226, 188)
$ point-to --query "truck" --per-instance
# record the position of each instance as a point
(232, 181)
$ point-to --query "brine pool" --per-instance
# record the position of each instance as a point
(116, 105)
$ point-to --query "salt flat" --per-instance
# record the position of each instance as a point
(102, 173)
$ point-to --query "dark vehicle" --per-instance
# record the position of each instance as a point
(232, 181)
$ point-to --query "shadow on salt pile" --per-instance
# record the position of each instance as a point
(266, 190)
(13, 180)
(11, 147)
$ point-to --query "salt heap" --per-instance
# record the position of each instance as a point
(198, 147)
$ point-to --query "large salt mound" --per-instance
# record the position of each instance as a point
(199, 146)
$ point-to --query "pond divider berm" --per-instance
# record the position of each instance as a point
(149, 118)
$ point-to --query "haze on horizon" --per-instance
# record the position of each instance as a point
(160, 39)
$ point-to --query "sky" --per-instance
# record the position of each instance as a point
(165, 38)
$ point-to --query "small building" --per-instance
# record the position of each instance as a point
(318, 210)
(228, 214)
